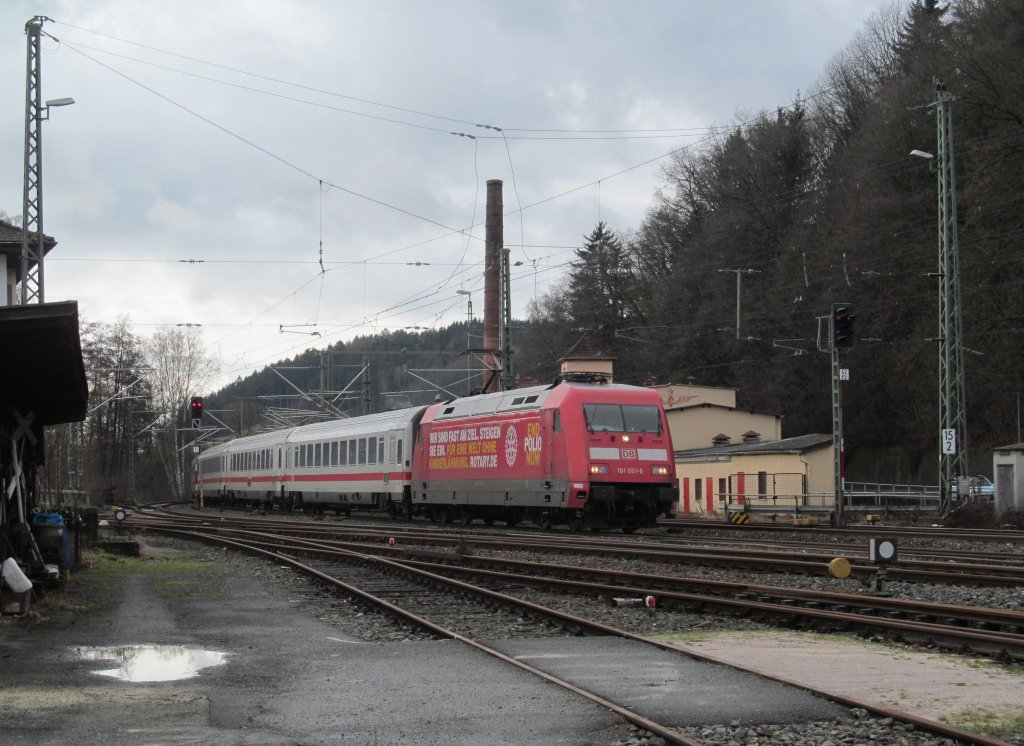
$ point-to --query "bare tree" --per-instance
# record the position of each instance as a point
(180, 370)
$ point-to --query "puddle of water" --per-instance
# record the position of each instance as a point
(147, 663)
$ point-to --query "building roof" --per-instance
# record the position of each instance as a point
(798, 445)
(41, 367)
(1011, 447)
(10, 245)
(710, 405)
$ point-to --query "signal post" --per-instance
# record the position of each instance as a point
(840, 337)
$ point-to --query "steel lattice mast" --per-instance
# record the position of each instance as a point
(32, 239)
(952, 420)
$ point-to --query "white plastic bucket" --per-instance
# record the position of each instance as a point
(14, 577)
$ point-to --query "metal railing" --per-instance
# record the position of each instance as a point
(858, 497)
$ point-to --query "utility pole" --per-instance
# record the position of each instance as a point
(32, 238)
(952, 419)
(367, 386)
(840, 337)
(505, 332)
(739, 280)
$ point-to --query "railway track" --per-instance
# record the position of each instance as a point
(409, 590)
(790, 558)
(996, 632)
(1015, 536)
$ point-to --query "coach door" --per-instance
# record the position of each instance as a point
(553, 443)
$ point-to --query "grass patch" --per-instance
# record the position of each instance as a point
(988, 722)
(95, 583)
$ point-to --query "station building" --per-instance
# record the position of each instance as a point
(728, 457)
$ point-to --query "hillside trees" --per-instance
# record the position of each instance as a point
(823, 201)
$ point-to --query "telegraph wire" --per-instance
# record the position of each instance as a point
(254, 145)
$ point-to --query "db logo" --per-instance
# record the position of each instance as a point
(628, 453)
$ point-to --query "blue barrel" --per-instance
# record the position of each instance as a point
(52, 538)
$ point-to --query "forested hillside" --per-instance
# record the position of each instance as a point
(388, 370)
(819, 202)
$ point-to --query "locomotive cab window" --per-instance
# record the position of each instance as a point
(624, 418)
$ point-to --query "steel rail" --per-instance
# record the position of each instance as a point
(1008, 643)
(713, 591)
(810, 564)
(937, 532)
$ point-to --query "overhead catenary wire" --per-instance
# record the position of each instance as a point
(520, 210)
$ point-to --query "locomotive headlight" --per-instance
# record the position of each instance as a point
(599, 468)
(625, 438)
(659, 471)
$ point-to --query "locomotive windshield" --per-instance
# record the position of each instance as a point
(622, 418)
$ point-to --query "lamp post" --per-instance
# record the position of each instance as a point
(33, 249)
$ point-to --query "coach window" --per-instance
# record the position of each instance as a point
(362, 451)
(343, 453)
(399, 451)
(334, 453)
(309, 456)
(371, 450)
(316, 455)
(556, 421)
(380, 450)
(352, 447)
(391, 448)
(301, 460)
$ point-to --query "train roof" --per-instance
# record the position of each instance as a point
(356, 425)
(250, 441)
(530, 398)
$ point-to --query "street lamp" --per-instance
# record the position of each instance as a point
(66, 101)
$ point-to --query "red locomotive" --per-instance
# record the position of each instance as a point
(575, 453)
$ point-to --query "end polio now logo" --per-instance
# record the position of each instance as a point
(511, 445)
(531, 444)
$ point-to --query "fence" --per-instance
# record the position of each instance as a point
(787, 493)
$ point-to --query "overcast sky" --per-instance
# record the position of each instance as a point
(216, 147)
